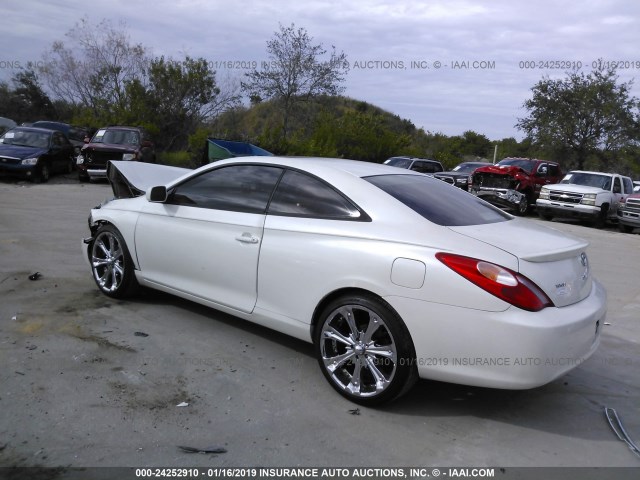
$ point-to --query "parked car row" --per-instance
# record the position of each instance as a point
(520, 184)
(37, 150)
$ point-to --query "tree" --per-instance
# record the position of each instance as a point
(582, 113)
(182, 95)
(26, 101)
(94, 71)
(297, 70)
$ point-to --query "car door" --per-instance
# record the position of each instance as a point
(205, 239)
(617, 197)
(310, 227)
(61, 152)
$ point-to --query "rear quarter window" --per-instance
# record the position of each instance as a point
(437, 201)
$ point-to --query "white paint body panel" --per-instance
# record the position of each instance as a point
(279, 279)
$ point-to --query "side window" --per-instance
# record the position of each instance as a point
(299, 194)
(553, 171)
(628, 185)
(239, 188)
(543, 170)
(58, 139)
(617, 187)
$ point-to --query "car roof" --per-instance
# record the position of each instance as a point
(48, 122)
(34, 129)
(121, 127)
(594, 173)
(321, 166)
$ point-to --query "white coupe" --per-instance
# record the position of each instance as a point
(391, 274)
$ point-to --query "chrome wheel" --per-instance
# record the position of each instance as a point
(112, 267)
(358, 351)
(108, 262)
(523, 206)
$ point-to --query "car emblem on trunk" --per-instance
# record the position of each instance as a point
(585, 263)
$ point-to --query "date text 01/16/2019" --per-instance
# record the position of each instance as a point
(577, 64)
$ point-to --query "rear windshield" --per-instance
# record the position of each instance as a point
(399, 162)
(439, 202)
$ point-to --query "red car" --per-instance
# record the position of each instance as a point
(514, 183)
(113, 143)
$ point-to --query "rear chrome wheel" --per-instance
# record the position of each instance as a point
(365, 351)
(111, 263)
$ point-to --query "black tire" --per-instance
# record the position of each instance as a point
(625, 228)
(364, 350)
(545, 216)
(523, 207)
(42, 173)
(83, 178)
(111, 263)
(601, 220)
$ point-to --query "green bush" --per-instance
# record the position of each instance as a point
(175, 159)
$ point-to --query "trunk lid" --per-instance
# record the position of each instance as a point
(132, 179)
(553, 260)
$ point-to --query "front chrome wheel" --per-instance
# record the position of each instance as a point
(364, 351)
(107, 261)
(110, 263)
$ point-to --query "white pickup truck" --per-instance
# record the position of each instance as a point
(592, 196)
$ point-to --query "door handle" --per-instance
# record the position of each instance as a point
(246, 237)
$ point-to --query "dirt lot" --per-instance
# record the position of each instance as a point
(90, 381)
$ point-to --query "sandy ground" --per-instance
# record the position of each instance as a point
(80, 386)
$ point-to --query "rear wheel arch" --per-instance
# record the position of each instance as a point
(333, 296)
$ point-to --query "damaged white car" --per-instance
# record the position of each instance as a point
(391, 274)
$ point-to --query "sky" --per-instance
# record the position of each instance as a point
(447, 66)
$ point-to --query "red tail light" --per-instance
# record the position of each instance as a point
(505, 284)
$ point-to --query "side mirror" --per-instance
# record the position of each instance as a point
(157, 194)
(86, 140)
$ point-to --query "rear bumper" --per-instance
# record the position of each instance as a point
(512, 349)
(94, 173)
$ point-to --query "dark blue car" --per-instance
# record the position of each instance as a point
(35, 153)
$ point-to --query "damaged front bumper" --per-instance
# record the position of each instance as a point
(501, 197)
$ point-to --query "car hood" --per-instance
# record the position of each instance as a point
(16, 151)
(572, 188)
(553, 260)
(130, 179)
(501, 170)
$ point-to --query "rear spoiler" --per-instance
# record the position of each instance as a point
(132, 179)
